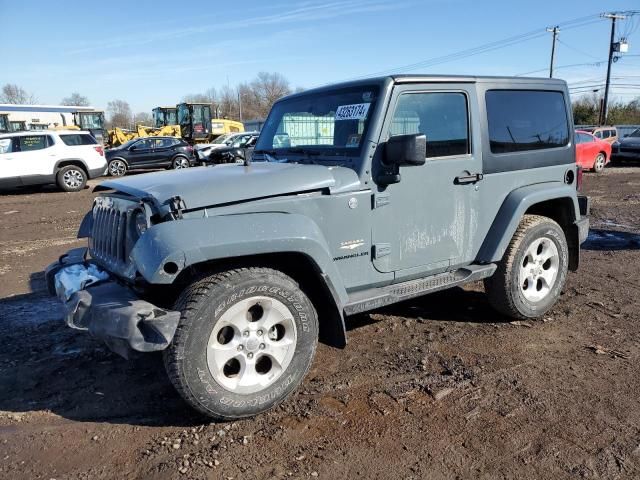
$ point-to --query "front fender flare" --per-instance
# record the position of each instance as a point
(513, 209)
(191, 241)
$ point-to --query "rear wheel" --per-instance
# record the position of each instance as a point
(180, 162)
(117, 168)
(599, 163)
(533, 271)
(71, 178)
(245, 341)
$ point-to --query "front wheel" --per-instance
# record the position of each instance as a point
(533, 271)
(245, 341)
(599, 163)
(117, 168)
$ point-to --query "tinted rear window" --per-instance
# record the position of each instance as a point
(78, 139)
(521, 120)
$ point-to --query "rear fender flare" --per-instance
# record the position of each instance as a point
(63, 162)
(513, 209)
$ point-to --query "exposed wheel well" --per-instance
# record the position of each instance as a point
(604, 153)
(299, 267)
(77, 163)
(561, 210)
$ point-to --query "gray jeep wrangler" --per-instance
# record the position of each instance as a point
(358, 195)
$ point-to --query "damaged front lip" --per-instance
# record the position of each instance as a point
(113, 312)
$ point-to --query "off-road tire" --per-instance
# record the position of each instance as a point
(503, 287)
(202, 304)
(71, 178)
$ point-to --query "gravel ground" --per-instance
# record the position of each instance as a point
(438, 387)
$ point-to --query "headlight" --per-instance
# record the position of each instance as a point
(141, 222)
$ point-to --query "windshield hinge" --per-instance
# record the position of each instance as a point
(177, 205)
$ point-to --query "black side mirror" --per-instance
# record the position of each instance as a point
(406, 150)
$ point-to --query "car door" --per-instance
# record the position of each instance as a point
(586, 149)
(9, 166)
(162, 151)
(141, 154)
(35, 157)
(427, 221)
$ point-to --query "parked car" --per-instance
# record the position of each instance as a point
(240, 148)
(608, 134)
(65, 157)
(391, 188)
(591, 152)
(204, 150)
(627, 148)
(150, 152)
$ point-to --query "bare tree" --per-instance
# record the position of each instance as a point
(254, 98)
(12, 93)
(143, 118)
(210, 97)
(75, 99)
(260, 94)
(119, 114)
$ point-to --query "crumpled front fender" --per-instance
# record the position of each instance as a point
(168, 248)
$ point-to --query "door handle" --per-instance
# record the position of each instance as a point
(468, 178)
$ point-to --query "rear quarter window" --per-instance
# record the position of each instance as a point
(521, 120)
(31, 142)
(78, 139)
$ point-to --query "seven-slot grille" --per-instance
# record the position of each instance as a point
(109, 234)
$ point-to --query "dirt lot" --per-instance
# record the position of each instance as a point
(440, 387)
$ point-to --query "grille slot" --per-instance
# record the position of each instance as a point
(108, 236)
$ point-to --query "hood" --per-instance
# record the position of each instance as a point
(629, 141)
(208, 186)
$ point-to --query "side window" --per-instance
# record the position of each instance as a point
(5, 145)
(32, 142)
(599, 134)
(521, 120)
(78, 139)
(142, 145)
(585, 138)
(442, 117)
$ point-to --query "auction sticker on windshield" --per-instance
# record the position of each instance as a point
(356, 111)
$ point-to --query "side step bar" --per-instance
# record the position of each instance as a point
(379, 297)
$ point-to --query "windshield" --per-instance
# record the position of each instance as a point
(91, 120)
(222, 139)
(635, 133)
(332, 122)
(129, 143)
(158, 118)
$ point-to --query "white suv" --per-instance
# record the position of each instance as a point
(65, 157)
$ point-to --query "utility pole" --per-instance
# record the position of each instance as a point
(555, 30)
(605, 103)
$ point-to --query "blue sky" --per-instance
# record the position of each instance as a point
(153, 53)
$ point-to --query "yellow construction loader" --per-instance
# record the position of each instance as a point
(118, 136)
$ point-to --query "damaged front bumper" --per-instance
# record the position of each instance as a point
(113, 312)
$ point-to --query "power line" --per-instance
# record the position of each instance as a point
(576, 49)
(499, 44)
